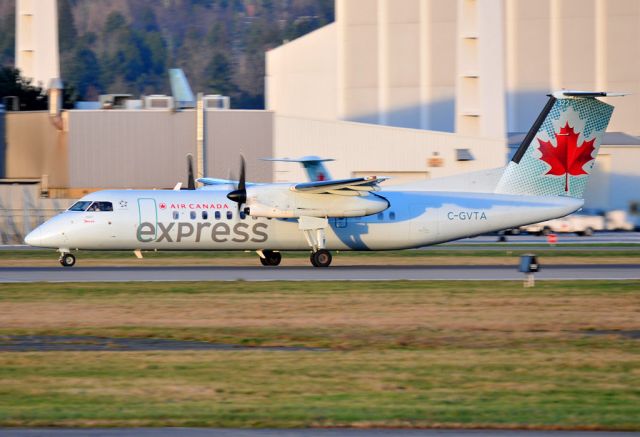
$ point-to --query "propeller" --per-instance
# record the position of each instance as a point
(239, 195)
(191, 184)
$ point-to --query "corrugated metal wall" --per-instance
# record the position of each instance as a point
(374, 149)
(35, 147)
(3, 147)
(147, 149)
(129, 149)
(231, 133)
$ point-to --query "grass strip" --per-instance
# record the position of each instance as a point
(414, 354)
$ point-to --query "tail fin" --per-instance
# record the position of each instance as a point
(180, 89)
(558, 154)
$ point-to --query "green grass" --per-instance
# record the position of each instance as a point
(280, 389)
(416, 354)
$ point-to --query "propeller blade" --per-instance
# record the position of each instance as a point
(239, 195)
(242, 182)
(191, 184)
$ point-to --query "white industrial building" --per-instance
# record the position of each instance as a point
(412, 89)
(37, 55)
(378, 88)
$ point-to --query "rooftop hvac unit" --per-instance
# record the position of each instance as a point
(134, 104)
(216, 101)
(114, 101)
(158, 102)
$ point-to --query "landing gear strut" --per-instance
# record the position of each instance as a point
(313, 229)
(270, 258)
(321, 258)
(67, 260)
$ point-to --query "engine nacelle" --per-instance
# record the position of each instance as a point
(289, 204)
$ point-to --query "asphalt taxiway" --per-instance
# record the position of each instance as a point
(337, 273)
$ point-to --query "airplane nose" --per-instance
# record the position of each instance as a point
(33, 238)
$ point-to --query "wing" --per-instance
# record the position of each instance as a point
(345, 187)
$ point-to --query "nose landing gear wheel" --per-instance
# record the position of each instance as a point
(271, 258)
(67, 260)
(321, 258)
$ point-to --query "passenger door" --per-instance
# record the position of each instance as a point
(147, 213)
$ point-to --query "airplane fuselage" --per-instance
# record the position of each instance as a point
(207, 220)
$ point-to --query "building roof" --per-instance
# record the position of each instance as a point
(610, 139)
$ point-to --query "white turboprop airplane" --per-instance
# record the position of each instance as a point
(545, 179)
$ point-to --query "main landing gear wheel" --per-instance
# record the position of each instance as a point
(321, 258)
(67, 260)
(271, 258)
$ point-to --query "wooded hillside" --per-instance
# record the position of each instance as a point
(126, 46)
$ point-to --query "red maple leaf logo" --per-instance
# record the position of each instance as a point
(163, 205)
(567, 158)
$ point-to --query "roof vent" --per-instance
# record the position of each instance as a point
(464, 155)
(158, 102)
(216, 101)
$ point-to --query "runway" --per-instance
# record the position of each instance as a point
(338, 273)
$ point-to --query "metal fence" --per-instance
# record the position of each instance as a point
(22, 210)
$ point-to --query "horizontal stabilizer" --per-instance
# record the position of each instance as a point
(313, 165)
(573, 93)
(300, 160)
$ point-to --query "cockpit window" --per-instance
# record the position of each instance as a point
(101, 206)
(80, 206)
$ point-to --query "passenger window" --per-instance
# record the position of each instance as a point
(217, 215)
(176, 215)
(229, 215)
(392, 216)
(80, 206)
(381, 216)
(205, 215)
(242, 215)
(192, 214)
(341, 222)
(101, 206)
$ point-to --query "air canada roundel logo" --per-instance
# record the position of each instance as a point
(567, 158)
(163, 205)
